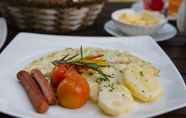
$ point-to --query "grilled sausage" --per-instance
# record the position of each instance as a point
(33, 91)
(45, 87)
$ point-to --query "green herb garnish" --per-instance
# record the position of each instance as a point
(81, 52)
(141, 73)
(90, 73)
(111, 85)
(84, 62)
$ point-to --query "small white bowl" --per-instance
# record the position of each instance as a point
(133, 29)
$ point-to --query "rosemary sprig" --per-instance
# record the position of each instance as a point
(97, 68)
(64, 60)
(81, 52)
(72, 57)
(64, 57)
(83, 62)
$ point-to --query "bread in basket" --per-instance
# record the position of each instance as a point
(51, 15)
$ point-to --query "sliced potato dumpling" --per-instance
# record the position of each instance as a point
(93, 90)
(115, 99)
(93, 84)
(111, 71)
(142, 82)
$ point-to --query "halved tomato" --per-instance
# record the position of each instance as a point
(73, 91)
(58, 74)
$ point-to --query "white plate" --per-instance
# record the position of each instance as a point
(3, 31)
(139, 6)
(26, 47)
(165, 33)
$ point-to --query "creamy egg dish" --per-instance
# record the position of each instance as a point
(116, 87)
(145, 18)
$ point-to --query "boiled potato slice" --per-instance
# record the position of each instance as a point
(111, 71)
(115, 99)
(93, 90)
(93, 84)
(142, 82)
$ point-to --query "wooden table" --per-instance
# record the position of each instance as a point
(175, 48)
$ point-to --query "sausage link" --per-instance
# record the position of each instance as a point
(44, 85)
(34, 93)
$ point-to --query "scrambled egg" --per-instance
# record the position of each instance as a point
(142, 18)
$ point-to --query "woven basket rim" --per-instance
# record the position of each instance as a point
(39, 5)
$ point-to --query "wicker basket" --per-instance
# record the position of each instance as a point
(55, 18)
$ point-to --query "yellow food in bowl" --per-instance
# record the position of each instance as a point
(146, 18)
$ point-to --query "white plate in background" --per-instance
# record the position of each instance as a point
(26, 47)
(3, 31)
(165, 33)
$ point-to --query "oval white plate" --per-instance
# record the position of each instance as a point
(167, 32)
(3, 31)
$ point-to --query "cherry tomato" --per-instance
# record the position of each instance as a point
(73, 91)
(58, 74)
